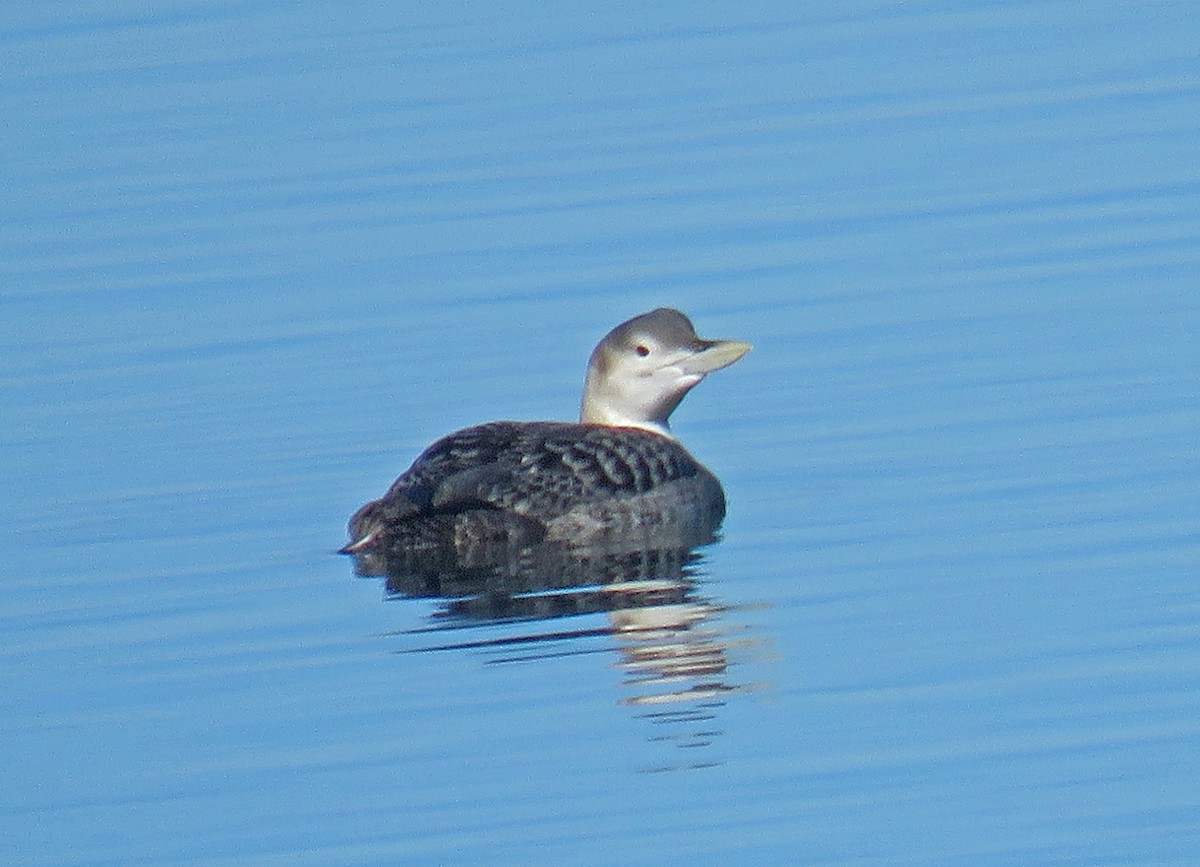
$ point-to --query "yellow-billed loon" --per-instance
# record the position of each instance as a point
(618, 471)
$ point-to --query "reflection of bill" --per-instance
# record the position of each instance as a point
(676, 670)
(672, 653)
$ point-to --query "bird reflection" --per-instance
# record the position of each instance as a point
(671, 642)
(533, 522)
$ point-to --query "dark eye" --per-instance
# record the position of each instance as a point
(643, 351)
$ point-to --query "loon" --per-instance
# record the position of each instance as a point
(618, 472)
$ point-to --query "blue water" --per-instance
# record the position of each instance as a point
(255, 257)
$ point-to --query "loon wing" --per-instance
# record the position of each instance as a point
(534, 471)
(541, 470)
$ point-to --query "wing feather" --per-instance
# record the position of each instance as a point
(539, 469)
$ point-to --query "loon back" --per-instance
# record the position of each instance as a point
(560, 481)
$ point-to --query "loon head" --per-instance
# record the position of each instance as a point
(641, 370)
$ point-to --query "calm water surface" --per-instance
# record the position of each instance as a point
(256, 256)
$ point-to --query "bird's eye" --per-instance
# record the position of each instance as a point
(642, 350)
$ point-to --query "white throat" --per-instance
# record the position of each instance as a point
(601, 412)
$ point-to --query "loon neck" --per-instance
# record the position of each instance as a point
(603, 417)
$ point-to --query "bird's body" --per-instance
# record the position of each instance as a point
(617, 473)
